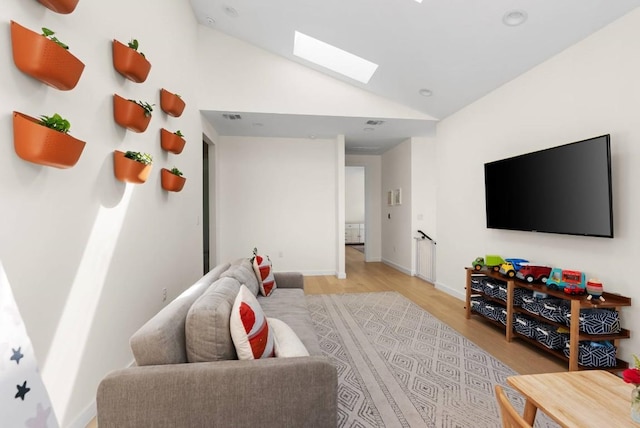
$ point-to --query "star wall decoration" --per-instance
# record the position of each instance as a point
(17, 355)
(22, 390)
(40, 419)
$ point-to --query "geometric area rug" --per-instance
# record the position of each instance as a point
(399, 366)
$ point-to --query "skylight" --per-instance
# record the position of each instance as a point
(333, 58)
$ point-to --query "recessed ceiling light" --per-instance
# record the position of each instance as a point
(313, 137)
(425, 92)
(368, 129)
(210, 20)
(230, 11)
(419, 1)
(333, 58)
(514, 17)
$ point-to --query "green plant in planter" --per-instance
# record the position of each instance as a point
(50, 35)
(56, 122)
(176, 171)
(148, 108)
(133, 44)
(179, 134)
(144, 158)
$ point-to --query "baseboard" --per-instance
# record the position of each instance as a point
(397, 267)
(373, 260)
(85, 416)
(90, 412)
(318, 272)
(455, 293)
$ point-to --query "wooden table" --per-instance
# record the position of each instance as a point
(590, 398)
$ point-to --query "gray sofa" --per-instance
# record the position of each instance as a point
(187, 374)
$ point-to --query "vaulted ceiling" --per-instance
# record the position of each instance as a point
(457, 50)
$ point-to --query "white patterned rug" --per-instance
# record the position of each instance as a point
(399, 366)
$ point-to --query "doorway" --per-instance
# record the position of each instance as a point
(206, 261)
(355, 208)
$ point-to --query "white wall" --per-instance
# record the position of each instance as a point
(424, 189)
(373, 200)
(354, 194)
(88, 256)
(590, 89)
(397, 242)
(279, 195)
(242, 77)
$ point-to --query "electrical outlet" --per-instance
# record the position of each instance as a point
(164, 294)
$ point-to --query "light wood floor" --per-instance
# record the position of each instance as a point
(368, 277)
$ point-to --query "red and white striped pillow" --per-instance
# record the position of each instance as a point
(250, 332)
(264, 272)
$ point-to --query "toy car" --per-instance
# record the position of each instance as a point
(511, 266)
(490, 261)
(531, 273)
(559, 279)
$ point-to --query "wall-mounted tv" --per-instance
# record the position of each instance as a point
(564, 189)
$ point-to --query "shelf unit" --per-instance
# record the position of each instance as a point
(612, 301)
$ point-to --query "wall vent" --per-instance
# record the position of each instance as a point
(375, 122)
(232, 116)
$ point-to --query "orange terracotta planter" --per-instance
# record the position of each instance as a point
(171, 182)
(171, 142)
(60, 6)
(171, 103)
(128, 170)
(42, 59)
(36, 143)
(130, 63)
(129, 115)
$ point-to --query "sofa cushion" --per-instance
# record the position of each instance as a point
(161, 340)
(207, 325)
(264, 274)
(286, 342)
(250, 330)
(242, 270)
(290, 306)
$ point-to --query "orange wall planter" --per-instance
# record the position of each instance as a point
(171, 103)
(129, 115)
(171, 182)
(171, 142)
(130, 63)
(36, 143)
(43, 59)
(129, 170)
(60, 6)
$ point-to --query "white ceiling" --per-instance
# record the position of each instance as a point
(459, 49)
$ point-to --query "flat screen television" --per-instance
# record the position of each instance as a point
(564, 189)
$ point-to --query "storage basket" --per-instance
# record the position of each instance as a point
(517, 294)
(491, 288)
(493, 310)
(477, 304)
(477, 283)
(554, 310)
(525, 325)
(595, 354)
(598, 321)
(502, 316)
(531, 304)
(548, 335)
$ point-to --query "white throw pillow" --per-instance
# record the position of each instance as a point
(249, 328)
(287, 342)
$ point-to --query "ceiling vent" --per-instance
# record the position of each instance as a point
(231, 116)
(375, 122)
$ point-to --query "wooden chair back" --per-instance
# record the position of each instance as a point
(510, 417)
